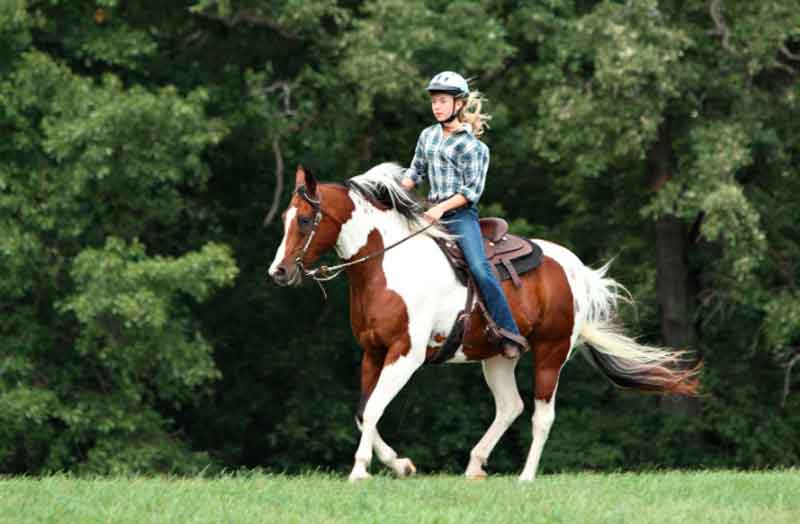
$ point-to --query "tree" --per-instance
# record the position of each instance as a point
(97, 286)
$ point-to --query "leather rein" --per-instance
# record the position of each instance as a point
(324, 273)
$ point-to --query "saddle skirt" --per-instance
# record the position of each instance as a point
(509, 255)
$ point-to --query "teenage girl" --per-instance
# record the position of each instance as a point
(455, 161)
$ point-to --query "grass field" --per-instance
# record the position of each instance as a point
(664, 497)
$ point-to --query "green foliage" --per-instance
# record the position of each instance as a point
(97, 341)
(133, 320)
(425, 39)
(15, 23)
(631, 53)
(782, 322)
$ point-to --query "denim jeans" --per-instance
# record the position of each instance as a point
(464, 223)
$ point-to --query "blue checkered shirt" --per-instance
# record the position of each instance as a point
(456, 164)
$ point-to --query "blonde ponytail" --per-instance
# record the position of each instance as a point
(471, 113)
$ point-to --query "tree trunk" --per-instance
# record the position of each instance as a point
(672, 281)
(674, 284)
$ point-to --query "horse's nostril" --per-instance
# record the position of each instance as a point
(278, 275)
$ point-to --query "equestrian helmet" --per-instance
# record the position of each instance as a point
(450, 83)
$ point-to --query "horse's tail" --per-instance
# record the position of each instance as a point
(626, 363)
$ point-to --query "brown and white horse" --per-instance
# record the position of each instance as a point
(404, 301)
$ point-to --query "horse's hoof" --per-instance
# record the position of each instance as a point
(356, 477)
(403, 467)
(475, 469)
(359, 472)
(477, 476)
(527, 478)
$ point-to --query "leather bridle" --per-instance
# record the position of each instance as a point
(302, 192)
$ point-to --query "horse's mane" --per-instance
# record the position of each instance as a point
(380, 185)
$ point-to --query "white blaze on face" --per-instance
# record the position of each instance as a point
(290, 214)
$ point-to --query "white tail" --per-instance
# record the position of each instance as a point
(625, 362)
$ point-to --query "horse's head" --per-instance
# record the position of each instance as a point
(310, 228)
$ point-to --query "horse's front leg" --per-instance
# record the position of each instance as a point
(400, 363)
(371, 365)
(402, 466)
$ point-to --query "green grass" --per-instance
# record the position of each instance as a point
(663, 497)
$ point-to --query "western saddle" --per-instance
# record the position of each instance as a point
(509, 255)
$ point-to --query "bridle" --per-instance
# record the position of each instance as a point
(302, 192)
(324, 273)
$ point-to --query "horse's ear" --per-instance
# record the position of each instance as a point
(303, 177)
(299, 176)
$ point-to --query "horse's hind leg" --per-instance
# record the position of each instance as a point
(499, 374)
(549, 360)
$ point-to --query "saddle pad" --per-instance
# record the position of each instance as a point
(522, 264)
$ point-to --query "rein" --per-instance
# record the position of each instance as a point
(326, 273)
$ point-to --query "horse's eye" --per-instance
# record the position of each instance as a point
(304, 221)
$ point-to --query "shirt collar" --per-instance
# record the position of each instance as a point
(466, 127)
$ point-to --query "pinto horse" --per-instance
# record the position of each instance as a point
(404, 300)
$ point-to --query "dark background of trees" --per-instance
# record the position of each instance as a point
(143, 144)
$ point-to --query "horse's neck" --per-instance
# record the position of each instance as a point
(364, 219)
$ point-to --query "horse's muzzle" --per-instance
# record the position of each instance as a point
(286, 277)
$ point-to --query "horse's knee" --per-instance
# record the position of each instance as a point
(509, 412)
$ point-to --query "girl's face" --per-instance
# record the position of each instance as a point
(442, 105)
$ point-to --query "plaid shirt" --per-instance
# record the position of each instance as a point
(455, 164)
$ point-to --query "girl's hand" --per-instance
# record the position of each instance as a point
(407, 183)
(434, 214)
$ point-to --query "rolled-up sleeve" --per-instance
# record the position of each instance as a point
(474, 164)
(419, 165)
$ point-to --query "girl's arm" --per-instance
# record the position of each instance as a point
(473, 165)
(454, 202)
(419, 165)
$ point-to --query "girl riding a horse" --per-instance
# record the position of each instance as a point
(401, 315)
(455, 162)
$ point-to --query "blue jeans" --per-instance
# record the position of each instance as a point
(464, 223)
